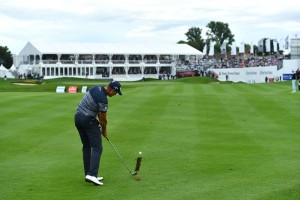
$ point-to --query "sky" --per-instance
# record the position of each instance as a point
(142, 21)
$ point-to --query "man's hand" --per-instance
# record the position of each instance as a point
(104, 133)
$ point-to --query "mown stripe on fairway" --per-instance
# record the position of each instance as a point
(138, 112)
(36, 118)
(224, 146)
(37, 134)
(260, 122)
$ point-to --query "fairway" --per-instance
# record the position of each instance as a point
(210, 141)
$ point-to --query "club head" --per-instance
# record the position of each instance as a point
(134, 173)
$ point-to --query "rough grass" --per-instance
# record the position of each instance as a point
(199, 141)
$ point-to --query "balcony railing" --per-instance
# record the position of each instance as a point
(118, 61)
(67, 61)
(101, 61)
(85, 61)
(50, 61)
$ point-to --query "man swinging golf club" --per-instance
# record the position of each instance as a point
(94, 104)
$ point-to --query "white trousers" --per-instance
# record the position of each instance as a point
(294, 85)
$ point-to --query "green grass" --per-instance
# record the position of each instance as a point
(200, 140)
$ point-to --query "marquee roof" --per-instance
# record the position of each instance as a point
(37, 48)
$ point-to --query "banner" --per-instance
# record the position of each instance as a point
(233, 49)
(247, 74)
(287, 77)
(287, 43)
(223, 48)
(251, 48)
(242, 48)
(268, 45)
(205, 50)
(72, 89)
(60, 89)
(84, 89)
(211, 50)
(260, 45)
(275, 46)
(281, 44)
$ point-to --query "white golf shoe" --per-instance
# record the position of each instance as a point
(93, 179)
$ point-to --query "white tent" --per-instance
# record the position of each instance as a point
(13, 68)
(12, 72)
(5, 72)
(2, 68)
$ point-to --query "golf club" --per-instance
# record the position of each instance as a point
(132, 173)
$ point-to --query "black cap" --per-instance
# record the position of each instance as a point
(116, 86)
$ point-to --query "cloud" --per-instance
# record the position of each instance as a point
(140, 21)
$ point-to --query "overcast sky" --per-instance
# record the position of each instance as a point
(166, 21)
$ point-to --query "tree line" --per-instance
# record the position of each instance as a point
(219, 33)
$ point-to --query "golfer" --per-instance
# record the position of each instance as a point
(94, 104)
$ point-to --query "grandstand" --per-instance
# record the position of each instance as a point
(123, 62)
(131, 62)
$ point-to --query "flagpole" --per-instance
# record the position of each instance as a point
(255, 62)
(254, 55)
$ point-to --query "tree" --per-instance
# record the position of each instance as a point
(194, 38)
(6, 58)
(219, 33)
(247, 48)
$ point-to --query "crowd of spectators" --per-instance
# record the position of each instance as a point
(30, 76)
(233, 62)
(241, 62)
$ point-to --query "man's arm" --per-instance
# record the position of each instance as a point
(103, 122)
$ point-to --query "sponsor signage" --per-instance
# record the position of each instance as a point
(248, 74)
(287, 76)
(84, 89)
(72, 89)
(60, 89)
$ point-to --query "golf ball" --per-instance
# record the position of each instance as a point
(140, 153)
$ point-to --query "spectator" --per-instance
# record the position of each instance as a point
(293, 82)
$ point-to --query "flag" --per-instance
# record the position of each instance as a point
(260, 45)
(223, 48)
(251, 48)
(205, 49)
(211, 50)
(281, 44)
(268, 45)
(287, 43)
(275, 45)
(242, 47)
(233, 49)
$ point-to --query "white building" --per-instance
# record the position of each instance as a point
(103, 60)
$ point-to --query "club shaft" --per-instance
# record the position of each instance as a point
(119, 155)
